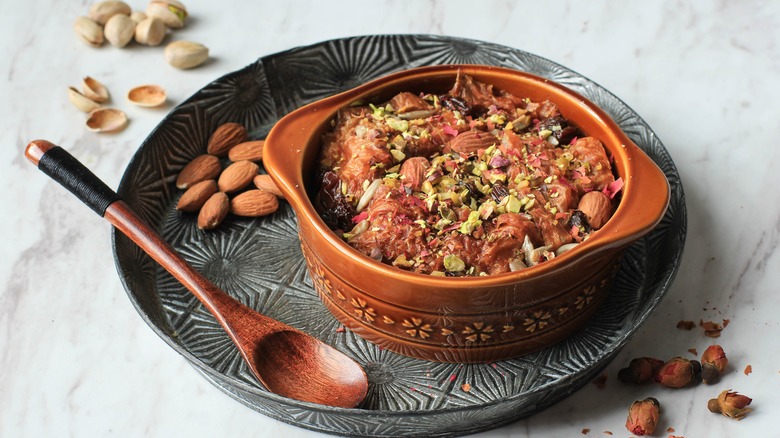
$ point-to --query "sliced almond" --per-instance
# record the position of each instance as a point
(237, 176)
(248, 150)
(94, 90)
(106, 120)
(193, 199)
(213, 211)
(81, 101)
(147, 95)
(201, 168)
(225, 137)
(254, 203)
(265, 183)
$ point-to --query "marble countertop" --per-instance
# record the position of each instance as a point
(77, 360)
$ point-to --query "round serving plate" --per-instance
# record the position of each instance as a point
(259, 261)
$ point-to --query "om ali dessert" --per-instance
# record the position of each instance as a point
(472, 182)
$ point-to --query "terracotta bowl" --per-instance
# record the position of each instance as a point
(463, 319)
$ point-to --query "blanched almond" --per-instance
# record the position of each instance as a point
(213, 211)
(237, 176)
(193, 199)
(201, 168)
(248, 150)
(265, 183)
(254, 203)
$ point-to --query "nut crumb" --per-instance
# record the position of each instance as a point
(600, 381)
(585, 431)
(670, 429)
(693, 351)
(686, 325)
(606, 432)
(748, 369)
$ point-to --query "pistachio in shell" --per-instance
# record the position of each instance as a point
(138, 16)
(101, 12)
(106, 120)
(80, 101)
(119, 30)
(89, 31)
(147, 95)
(150, 31)
(186, 54)
(171, 12)
(94, 90)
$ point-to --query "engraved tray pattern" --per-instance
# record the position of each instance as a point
(259, 261)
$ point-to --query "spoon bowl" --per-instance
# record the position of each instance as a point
(285, 360)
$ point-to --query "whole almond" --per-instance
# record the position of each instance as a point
(237, 176)
(213, 211)
(471, 141)
(413, 172)
(201, 168)
(265, 183)
(254, 203)
(193, 199)
(248, 150)
(225, 137)
(597, 208)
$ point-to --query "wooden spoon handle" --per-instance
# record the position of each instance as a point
(62, 167)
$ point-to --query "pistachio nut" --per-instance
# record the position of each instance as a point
(138, 16)
(94, 90)
(150, 31)
(106, 120)
(171, 12)
(89, 31)
(81, 101)
(102, 11)
(119, 30)
(186, 54)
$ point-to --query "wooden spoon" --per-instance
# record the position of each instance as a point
(287, 361)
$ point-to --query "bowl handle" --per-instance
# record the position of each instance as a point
(646, 197)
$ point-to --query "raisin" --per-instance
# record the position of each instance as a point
(498, 192)
(578, 220)
(334, 208)
(454, 104)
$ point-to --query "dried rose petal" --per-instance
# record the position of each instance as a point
(731, 404)
(678, 372)
(711, 329)
(643, 416)
(686, 325)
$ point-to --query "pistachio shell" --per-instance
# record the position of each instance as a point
(147, 95)
(102, 11)
(186, 54)
(119, 30)
(89, 31)
(151, 31)
(106, 120)
(138, 16)
(81, 101)
(171, 12)
(94, 90)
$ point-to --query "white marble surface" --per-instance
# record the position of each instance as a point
(77, 360)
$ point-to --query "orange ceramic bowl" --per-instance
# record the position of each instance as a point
(463, 319)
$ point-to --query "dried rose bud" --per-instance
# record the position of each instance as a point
(678, 372)
(730, 404)
(713, 363)
(643, 416)
(640, 370)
